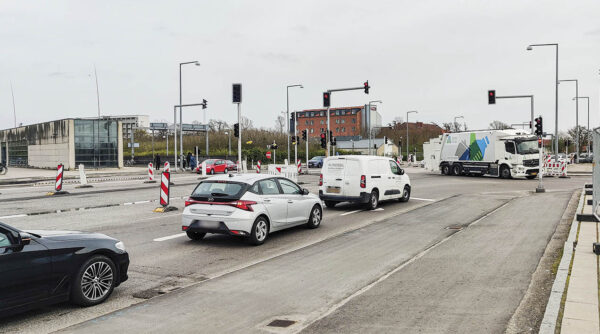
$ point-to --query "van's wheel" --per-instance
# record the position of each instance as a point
(260, 231)
(373, 200)
(330, 204)
(316, 214)
(446, 170)
(195, 235)
(405, 194)
(456, 169)
(505, 172)
(94, 281)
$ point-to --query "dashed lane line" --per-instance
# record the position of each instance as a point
(174, 236)
(423, 199)
(350, 212)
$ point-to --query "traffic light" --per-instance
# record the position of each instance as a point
(304, 134)
(540, 142)
(400, 143)
(326, 101)
(236, 130)
(331, 136)
(323, 141)
(385, 140)
(274, 146)
(539, 127)
(334, 142)
(491, 97)
(367, 87)
(293, 140)
(237, 93)
(204, 103)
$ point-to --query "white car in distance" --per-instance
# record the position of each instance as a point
(249, 205)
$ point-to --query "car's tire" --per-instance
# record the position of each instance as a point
(94, 281)
(195, 235)
(505, 172)
(445, 170)
(225, 171)
(405, 194)
(330, 204)
(260, 231)
(373, 200)
(530, 177)
(316, 215)
(212, 172)
(457, 169)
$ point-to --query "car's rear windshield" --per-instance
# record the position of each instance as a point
(219, 191)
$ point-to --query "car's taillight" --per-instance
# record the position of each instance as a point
(363, 181)
(244, 205)
(320, 179)
(184, 228)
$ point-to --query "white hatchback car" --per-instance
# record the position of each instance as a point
(249, 205)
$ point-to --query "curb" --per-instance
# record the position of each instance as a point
(548, 325)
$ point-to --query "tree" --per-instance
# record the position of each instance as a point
(584, 135)
(246, 123)
(217, 125)
(453, 127)
(280, 124)
(498, 125)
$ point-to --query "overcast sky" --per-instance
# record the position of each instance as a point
(437, 57)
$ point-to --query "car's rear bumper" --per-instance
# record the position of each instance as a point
(222, 228)
(363, 198)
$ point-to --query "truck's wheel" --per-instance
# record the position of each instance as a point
(505, 172)
(456, 169)
(446, 170)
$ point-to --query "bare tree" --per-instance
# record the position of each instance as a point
(498, 125)
(246, 123)
(280, 124)
(217, 125)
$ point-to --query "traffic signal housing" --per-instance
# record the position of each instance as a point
(304, 134)
(330, 136)
(237, 93)
(204, 102)
(293, 140)
(491, 97)
(323, 141)
(539, 127)
(367, 87)
(385, 140)
(333, 141)
(326, 99)
(236, 130)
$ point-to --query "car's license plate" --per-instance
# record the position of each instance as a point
(209, 224)
(533, 173)
(333, 190)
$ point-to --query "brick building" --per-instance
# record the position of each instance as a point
(344, 121)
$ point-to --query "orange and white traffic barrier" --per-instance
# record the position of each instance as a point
(59, 178)
(167, 167)
(258, 167)
(165, 185)
(299, 164)
(150, 174)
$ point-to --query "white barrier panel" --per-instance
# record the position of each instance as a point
(203, 168)
(291, 172)
(245, 166)
(82, 177)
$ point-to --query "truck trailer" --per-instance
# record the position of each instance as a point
(502, 153)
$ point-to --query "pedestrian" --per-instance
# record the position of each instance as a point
(193, 163)
(157, 161)
(188, 158)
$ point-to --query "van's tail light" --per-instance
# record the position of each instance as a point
(244, 205)
(363, 181)
(320, 179)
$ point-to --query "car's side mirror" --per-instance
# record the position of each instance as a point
(24, 239)
(401, 171)
(304, 191)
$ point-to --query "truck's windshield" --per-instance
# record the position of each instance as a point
(527, 147)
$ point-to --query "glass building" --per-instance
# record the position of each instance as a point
(96, 143)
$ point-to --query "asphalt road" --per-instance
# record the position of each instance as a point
(330, 279)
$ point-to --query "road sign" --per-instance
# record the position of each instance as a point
(268, 154)
(158, 126)
(193, 127)
(135, 145)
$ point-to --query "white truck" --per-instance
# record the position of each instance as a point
(503, 153)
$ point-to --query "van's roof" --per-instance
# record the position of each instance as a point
(358, 157)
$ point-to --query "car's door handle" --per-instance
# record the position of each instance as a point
(290, 201)
(338, 179)
(267, 200)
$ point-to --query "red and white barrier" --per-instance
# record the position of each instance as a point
(150, 172)
(164, 188)
(167, 167)
(553, 168)
(59, 178)
(299, 164)
(258, 167)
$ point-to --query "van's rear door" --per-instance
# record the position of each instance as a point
(333, 176)
(352, 175)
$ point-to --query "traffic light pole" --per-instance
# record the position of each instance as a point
(327, 134)
(540, 187)
(521, 97)
(239, 109)
(306, 151)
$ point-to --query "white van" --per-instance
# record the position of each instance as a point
(362, 179)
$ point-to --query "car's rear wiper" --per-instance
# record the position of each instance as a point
(219, 194)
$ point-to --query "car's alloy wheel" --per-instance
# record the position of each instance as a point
(225, 171)
(212, 172)
(260, 231)
(94, 282)
(373, 200)
(316, 215)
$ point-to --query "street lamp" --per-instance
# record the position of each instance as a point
(408, 112)
(455, 118)
(588, 122)
(287, 120)
(180, 116)
(368, 114)
(529, 48)
(576, 112)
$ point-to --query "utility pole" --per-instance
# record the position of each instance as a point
(576, 113)
(288, 123)
(97, 90)
(237, 98)
(13, 101)
(408, 112)
(181, 115)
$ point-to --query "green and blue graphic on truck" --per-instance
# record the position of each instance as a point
(475, 150)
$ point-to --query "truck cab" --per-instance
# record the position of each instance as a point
(521, 156)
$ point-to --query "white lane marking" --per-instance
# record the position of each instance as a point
(351, 212)
(423, 199)
(170, 237)
(13, 216)
(378, 209)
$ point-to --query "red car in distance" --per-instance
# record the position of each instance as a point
(214, 166)
(231, 165)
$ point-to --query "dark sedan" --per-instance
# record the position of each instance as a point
(39, 268)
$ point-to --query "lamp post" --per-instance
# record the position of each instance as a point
(457, 117)
(576, 112)
(180, 116)
(368, 114)
(408, 112)
(588, 122)
(529, 48)
(287, 119)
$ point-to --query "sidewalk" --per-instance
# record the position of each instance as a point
(581, 313)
